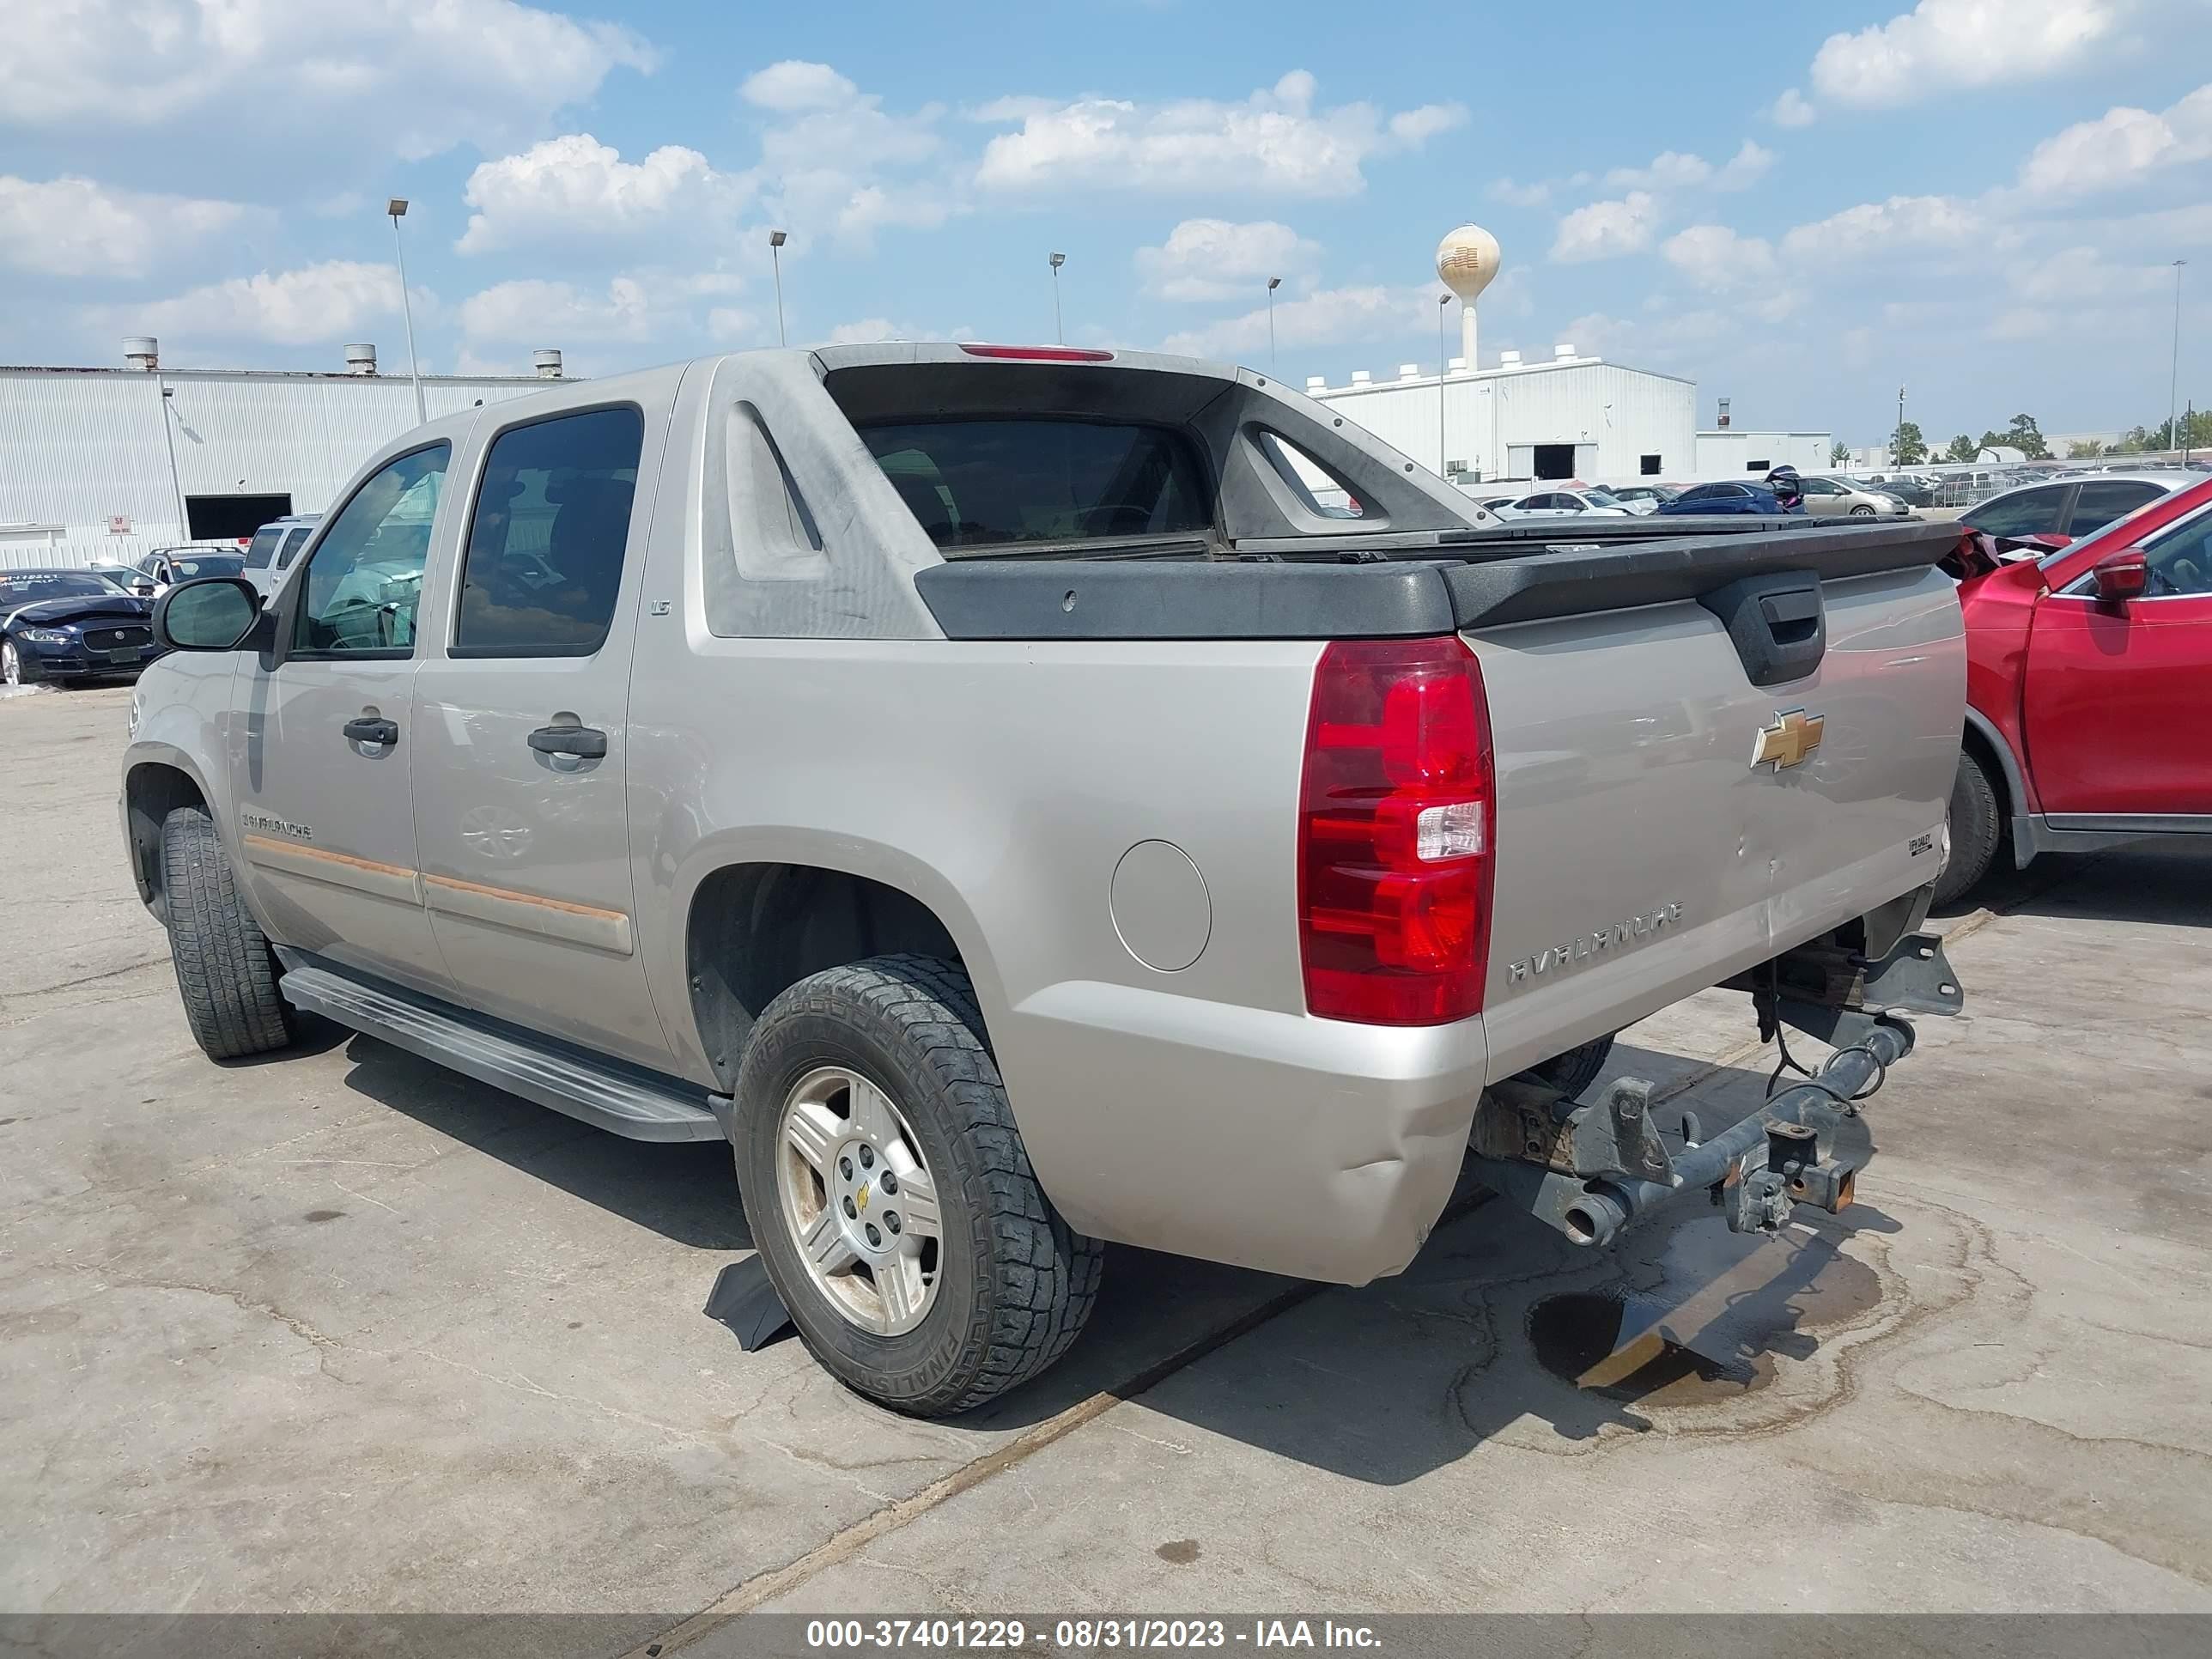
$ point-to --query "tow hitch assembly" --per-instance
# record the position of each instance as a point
(1591, 1169)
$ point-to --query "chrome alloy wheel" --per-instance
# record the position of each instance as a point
(858, 1201)
(11, 665)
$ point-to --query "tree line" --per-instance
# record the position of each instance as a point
(1908, 445)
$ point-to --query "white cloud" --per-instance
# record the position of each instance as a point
(835, 162)
(1878, 230)
(1940, 46)
(793, 86)
(1791, 109)
(313, 306)
(1275, 142)
(1714, 257)
(1669, 170)
(1216, 259)
(1517, 195)
(1752, 163)
(537, 312)
(2085, 275)
(1605, 230)
(390, 75)
(2120, 147)
(575, 186)
(1333, 316)
(73, 226)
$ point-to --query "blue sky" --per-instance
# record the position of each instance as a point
(1797, 207)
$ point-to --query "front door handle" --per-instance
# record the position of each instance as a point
(579, 742)
(370, 729)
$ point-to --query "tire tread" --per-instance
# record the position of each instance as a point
(226, 972)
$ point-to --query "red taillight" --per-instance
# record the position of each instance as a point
(1397, 830)
(1041, 354)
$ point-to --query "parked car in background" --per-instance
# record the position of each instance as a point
(165, 567)
(2089, 691)
(1825, 497)
(2056, 511)
(274, 548)
(1707, 498)
(1628, 495)
(72, 625)
(1912, 490)
(1547, 503)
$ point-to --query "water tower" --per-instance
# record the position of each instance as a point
(1467, 260)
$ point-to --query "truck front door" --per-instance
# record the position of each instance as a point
(326, 826)
(2118, 697)
(520, 712)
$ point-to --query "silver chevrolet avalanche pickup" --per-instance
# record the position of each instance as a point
(988, 787)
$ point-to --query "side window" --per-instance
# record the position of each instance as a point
(2181, 561)
(263, 550)
(365, 583)
(2031, 512)
(545, 557)
(2099, 504)
(293, 544)
(1819, 487)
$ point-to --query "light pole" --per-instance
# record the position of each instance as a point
(2173, 374)
(396, 207)
(1056, 260)
(176, 487)
(775, 241)
(1273, 283)
(1896, 443)
(1444, 366)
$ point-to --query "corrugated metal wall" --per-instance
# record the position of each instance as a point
(78, 448)
(1626, 412)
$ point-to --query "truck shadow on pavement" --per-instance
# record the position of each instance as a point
(1500, 1329)
(2158, 881)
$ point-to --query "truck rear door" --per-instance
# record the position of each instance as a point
(521, 708)
(1663, 821)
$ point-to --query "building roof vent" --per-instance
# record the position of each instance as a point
(361, 359)
(1562, 352)
(1361, 377)
(1317, 383)
(1456, 365)
(1509, 360)
(143, 351)
(1409, 371)
(547, 364)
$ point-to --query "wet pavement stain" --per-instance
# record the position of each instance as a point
(1723, 1309)
(1180, 1551)
(322, 1215)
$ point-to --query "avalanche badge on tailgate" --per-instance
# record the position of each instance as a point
(1792, 737)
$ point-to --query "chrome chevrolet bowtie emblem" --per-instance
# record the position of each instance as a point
(1794, 736)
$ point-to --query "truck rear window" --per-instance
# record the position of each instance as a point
(982, 484)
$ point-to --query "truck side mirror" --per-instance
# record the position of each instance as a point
(215, 613)
(2122, 576)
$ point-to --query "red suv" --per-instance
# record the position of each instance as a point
(2089, 691)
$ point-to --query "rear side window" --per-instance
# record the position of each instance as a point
(976, 484)
(2030, 513)
(262, 548)
(293, 544)
(545, 546)
(2100, 503)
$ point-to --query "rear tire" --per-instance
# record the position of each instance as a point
(1574, 1071)
(1976, 825)
(226, 972)
(1862, 511)
(1009, 1286)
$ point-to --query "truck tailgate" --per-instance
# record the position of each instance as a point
(1632, 801)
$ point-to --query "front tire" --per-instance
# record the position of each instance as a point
(1862, 511)
(1976, 825)
(878, 1073)
(226, 972)
(16, 668)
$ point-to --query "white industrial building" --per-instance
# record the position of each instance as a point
(1568, 416)
(1572, 418)
(89, 475)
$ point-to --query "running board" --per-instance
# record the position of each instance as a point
(603, 1096)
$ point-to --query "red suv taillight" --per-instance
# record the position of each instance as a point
(1397, 825)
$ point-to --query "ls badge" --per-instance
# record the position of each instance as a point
(1790, 741)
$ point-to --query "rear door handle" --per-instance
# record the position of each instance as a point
(369, 729)
(579, 742)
